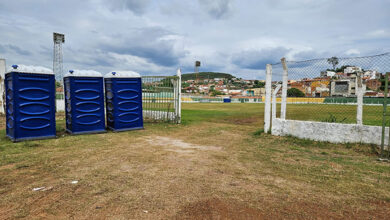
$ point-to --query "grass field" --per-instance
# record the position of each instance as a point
(216, 165)
(372, 115)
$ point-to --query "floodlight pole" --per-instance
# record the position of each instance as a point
(58, 70)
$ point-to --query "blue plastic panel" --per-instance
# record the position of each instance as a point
(84, 104)
(30, 104)
(124, 103)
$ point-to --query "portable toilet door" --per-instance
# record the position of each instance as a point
(123, 100)
(30, 103)
(84, 102)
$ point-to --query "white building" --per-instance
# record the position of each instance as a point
(352, 69)
(372, 74)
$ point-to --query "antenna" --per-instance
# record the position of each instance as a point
(58, 40)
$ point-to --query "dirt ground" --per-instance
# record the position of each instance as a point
(198, 170)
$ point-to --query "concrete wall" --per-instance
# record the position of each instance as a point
(331, 132)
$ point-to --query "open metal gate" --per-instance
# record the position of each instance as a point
(385, 150)
(161, 98)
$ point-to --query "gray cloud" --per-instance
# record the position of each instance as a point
(158, 36)
(153, 44)
(217, 9)
(9, 48)
(258, 59)
(138, 7)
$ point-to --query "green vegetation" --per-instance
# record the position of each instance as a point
(206, 75)
(58, 84)
(294, 92)
(258, 84)
(216, 92)
(333, 119)
(333, 61)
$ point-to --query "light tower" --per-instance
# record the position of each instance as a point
(58, 40)
(197, 65)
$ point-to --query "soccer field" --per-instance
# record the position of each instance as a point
(372, 115)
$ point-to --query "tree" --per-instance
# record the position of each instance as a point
(216, 92)
(258, 84)
(333, 61)
(294, 92)
(58, 84)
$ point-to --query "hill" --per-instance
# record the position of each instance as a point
(206, 75)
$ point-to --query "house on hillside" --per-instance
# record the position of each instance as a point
(254, 92)
(352, 69)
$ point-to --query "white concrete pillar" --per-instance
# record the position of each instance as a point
(359, 93)
(178, 109)
(267, 106)
(2, 87)
(284, 90)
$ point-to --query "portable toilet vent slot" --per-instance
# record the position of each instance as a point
(84, 102)
(30, 103)
(123, 100)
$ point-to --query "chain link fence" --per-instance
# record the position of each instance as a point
(327, 90)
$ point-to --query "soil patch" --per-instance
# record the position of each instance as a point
(178, 145)
(218, 209)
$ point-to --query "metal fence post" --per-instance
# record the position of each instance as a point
(284, 90)
(384, 114)
(178, 106)
(267, 106)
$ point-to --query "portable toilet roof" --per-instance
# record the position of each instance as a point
(83, 73)
(30, 69)
(122, 74)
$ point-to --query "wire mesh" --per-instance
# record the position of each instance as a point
(326, 89)
(158, 98)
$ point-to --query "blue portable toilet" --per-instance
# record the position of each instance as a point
(123, 100)
(30, 103)
(84, 102)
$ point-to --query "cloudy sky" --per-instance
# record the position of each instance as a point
(157, 37)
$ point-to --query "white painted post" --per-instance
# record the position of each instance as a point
(2, 87)
(274, 109)
(284, 90)
(178, 111)
(359, 93)
(267, 106)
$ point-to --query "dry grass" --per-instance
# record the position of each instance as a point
(211, 167)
